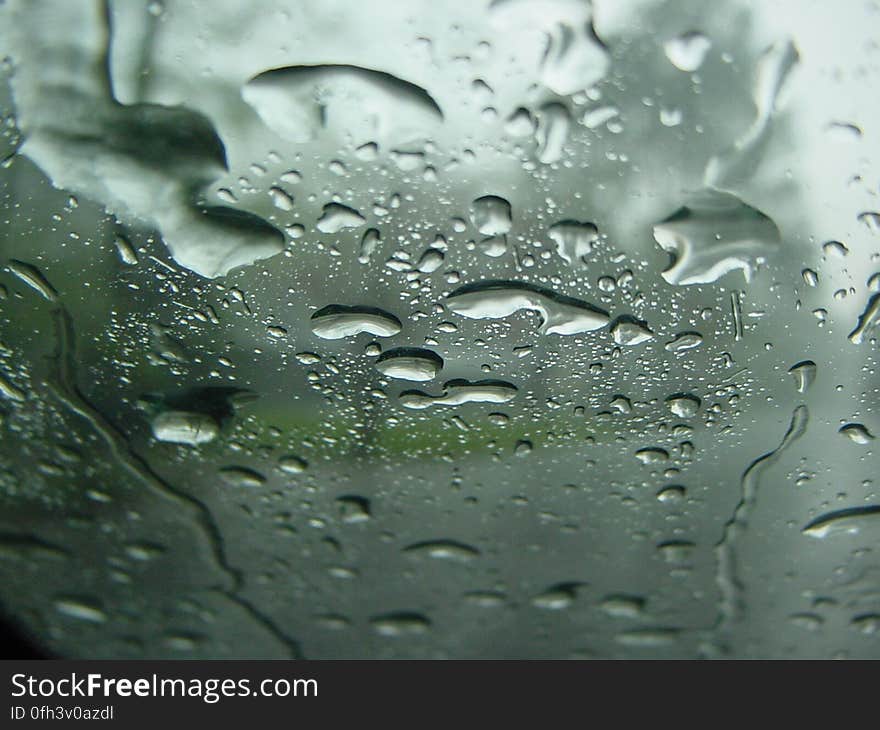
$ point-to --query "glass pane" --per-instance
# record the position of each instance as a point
(509, 329)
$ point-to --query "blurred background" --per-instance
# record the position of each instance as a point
(188, 470)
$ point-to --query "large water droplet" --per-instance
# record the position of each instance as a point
(573, 239)
(335, 217)
(457, 392)
(849, 521)
(409, 363)
(336, 321)
(559, 314)
(491, 215)
(298, 102)
(183, 427)
(714, 234)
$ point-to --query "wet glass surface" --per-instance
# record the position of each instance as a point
(510, 329)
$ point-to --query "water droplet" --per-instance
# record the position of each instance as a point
(451, 550)
(676, 552)
(623, 606)
(409, 363)
(683, 405)
(523, 448)
(457, 392)
(867, 320)
(291, 464)
(240, 476)
(183, 427)
(835, 249)
(126, 251)
(335, 217)
(336, 321)
(558, 597)
(683, 342)
(485, 599)
(353, 509)
(554, 122)
(399, 624)
(83, 609)
(629, 331)
(34, 278)
(573, 239)
(870, 220)
(648, 638)
(687, 51)
(866, 623)
(652, 455)
(857, 433)
(804, 373)
(491, 215)
(281, 199)
(299, 102)
(673, 494)
(712, 235)
(10, 391)
(737, 164)
(574, 57)
(849, 521)
(520, 124)
(497, 299)
(430, 261)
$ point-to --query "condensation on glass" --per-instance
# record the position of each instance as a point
(509, 329)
